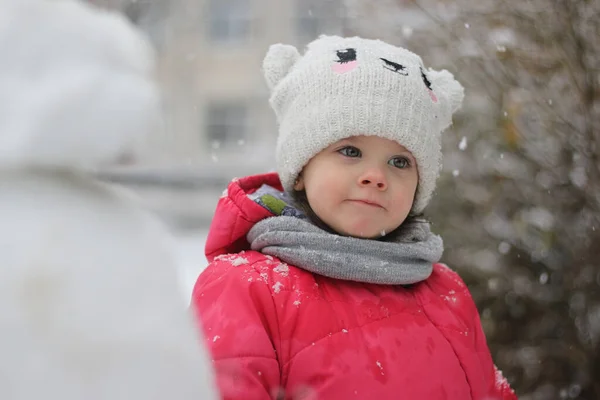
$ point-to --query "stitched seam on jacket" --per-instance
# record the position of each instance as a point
(253, 265)
(229, 265)
(440, 329)
(345, 333)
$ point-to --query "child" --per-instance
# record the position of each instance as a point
(323, 281)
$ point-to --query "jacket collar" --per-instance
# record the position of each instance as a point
(236, 214)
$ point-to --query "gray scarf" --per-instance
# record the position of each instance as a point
(406, 260)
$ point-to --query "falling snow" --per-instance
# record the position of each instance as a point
(504, 247)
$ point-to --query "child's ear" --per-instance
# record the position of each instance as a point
(278, 62)
(444, 83)
(299, 183)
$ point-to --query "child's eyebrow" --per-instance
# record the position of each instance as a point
(351, 139)
(407, 154)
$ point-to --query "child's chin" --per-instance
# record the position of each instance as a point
(362, 233)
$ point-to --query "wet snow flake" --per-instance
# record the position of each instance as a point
(234, 259)
(264, 277)
(282, 269)
(449, 298)
(277, 287)
(222, 257)
(501, 382)
(239, 261)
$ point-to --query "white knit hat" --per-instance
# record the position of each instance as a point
(345, 87)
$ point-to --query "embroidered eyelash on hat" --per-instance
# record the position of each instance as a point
(343, 87)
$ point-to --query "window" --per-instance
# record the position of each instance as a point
(226, 123)
(230, 20)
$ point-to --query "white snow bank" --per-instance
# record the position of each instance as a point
(90, 302)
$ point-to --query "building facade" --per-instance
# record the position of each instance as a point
(210, 56)
(218, 124)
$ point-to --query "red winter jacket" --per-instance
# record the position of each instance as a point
(279, 332)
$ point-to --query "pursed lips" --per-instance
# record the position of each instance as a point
(367, 202)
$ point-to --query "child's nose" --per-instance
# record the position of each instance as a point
(374, 177)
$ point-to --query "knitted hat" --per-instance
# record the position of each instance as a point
(344, 87)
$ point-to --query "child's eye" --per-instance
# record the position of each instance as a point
(350, 151)
(400, 162)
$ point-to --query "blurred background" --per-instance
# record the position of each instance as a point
(518, 202)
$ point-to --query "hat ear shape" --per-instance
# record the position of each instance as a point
(278, 62)
(444, 83)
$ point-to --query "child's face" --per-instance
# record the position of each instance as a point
(361, 186)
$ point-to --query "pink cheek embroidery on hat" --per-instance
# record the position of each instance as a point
(342, 68)
(433, 96)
